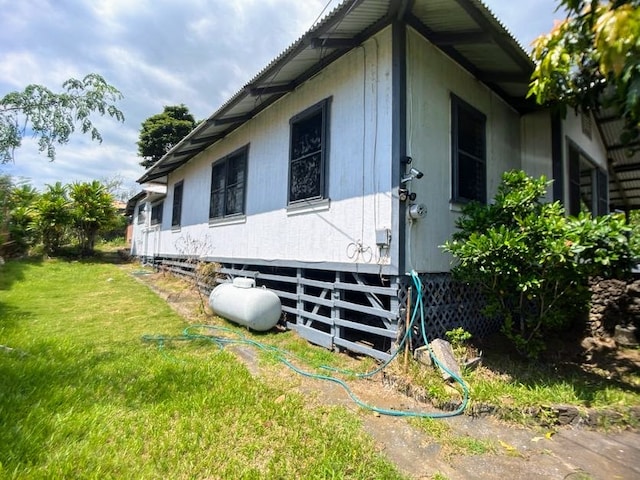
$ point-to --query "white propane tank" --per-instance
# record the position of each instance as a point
(241, 302)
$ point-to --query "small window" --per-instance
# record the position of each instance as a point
(308, 154)
(228, 180)
(468, 149)
(588, 185)
(176, 214)
(140, 213)
(156, 213)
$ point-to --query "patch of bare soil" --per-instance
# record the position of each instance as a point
(491, 449)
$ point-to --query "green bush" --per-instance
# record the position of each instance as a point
(531, 262)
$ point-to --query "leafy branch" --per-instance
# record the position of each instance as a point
(52, 117)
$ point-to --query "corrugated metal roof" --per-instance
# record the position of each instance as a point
(466, 30)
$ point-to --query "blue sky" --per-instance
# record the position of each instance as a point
(157, 53)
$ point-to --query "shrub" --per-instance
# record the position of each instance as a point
(531, 262)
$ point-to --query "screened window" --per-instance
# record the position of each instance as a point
(156, 213)
(228, 181)
(468, 162)
(176, 214)
(308, 153)
(588, 185)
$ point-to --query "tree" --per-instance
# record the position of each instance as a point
(52, 117)
(16, 216)
(21, 215)
(52, 219)
(120, 188)
(531, 262)
(6, 186)
(162, 131)
(92, 211)
(591, 61)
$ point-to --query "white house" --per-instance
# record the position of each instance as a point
(343, 165)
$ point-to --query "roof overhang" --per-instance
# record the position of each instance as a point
(464, 29)
(150, 191)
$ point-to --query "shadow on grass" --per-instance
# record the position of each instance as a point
(10, 317)
(13, 271)
(53, 393)
(98, 256)
(589, 377)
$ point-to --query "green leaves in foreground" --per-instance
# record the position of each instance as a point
(52, 117)
(81, 396)
(531, 262)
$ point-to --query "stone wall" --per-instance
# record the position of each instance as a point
(614, 302)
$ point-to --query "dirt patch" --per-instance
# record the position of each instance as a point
(465, 447)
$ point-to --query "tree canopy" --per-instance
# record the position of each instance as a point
(591, 61)
(162, 131)
(52, 117)
(75, 215)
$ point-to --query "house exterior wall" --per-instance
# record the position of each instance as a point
(592, 146)
(143, 234)
(431, 79)
(359, 175)
(535, 131)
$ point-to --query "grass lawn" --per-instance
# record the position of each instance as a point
(82, 396)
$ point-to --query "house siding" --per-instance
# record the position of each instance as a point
(431, 80)
(536, 146)
(359, 173)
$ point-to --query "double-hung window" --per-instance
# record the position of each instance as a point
(228, 181)
(468, 149)
(176, 213)
(156, 213)
(309, 153)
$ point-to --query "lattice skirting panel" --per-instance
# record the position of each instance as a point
(448, 304)
(361, 313)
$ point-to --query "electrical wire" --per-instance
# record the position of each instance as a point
(285, 358)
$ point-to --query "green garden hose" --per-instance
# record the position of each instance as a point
(283, 356)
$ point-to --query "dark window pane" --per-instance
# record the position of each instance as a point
(217, 177)
(471, 134)
(235, 198)
(305, 178)
(603, 192)
(471, 178)
(307, 136)
(216, 208)
(156, 214)
(177, 205)
(236, 167)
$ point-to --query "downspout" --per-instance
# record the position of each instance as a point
(399, 131)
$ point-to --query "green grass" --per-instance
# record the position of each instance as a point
(82, 396)
(517, 387)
